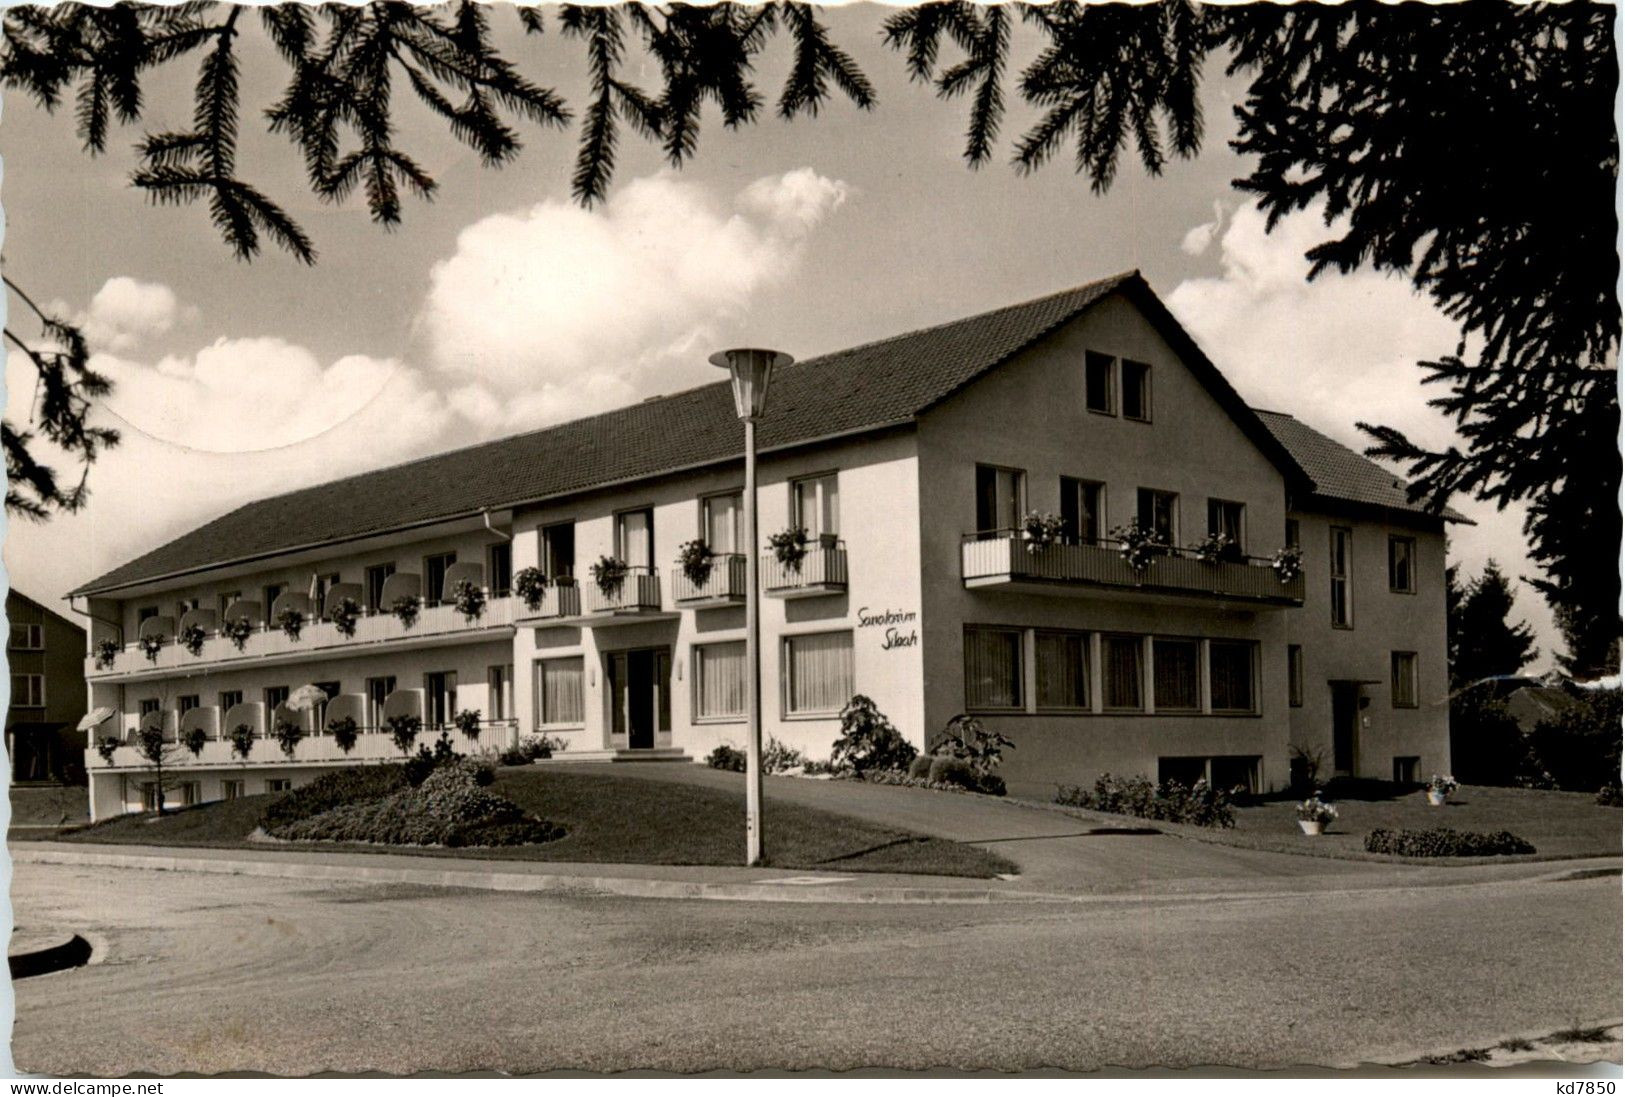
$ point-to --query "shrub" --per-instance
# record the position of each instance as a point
(469, 721)
(947, 770)
(920, 768)
(778, 758)
(342, 786)
(1486, 745)
(343, 730)
(1581, 742)
(425, 762)
(818, 767)
(1609, 795)
(726, 757)
(966, 739)
(1444, 842)
(988, 786)
(868, 741)
(530, 748)
(1199, 804)
(1304, 770)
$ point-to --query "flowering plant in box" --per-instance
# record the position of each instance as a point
(194, 740)
(696, 560)
(105, 746)
(468, 722)
(238, 630)
(242, 741)
(343, 731)
(789, 546)
(1313, 810)
(192, 637)
(1288, 563)
(405, 608)
(106, 653)
(1446, 784)
(608, 574)
(1039, 531)
(1137, 545)
(291, 622)
(345, 615)
(1213, 548)
(288, 735)
(530, 584)
(404, 731)
(469, 599)
(150, 646)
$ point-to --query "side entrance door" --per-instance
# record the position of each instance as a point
(1345, 727)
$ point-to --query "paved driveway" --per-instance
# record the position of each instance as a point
(1055, 851)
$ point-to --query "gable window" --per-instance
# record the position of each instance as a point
(1403, 668)
(1083, 510)
(27, 637)
(1122, 676)
(993, 672)
(28, 690)
(1294, 675)
(376, 576)
(1174, 675)
(1342, 549)
(1224, 519)
(817, 673)
(816, 501)
(999, 496)
(559, 551)
(1230, 676)
(1402, 565)
(1062, 660)
(559, 697)
(1136, 391)
(499, 568)
(1158, 512)
(719, 681)
(1098, 371)
(720, 518)
(635, 537)
(434, 575)
(378, 690)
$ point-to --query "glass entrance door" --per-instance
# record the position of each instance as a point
(639, 682)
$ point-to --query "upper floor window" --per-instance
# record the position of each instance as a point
(1136, 390)
(1402, 564)
(434, 574)
(1098, 382)
(27, 637)
(150, 705)
(1224, 519)
(28, 690)
(720, 519)
(274, 696)
(378, 691)
(1342, 549)
(1293, 537)
(635, 537)
(271, 593)
(377, 574)
(1158, 512)
(147, 612)
(325, 583)
(1294, 675)
(1000, 495)
(1083, 510)
(229, 699)
(559, 550)
(1403, 685)
(816, 501)
(499, 568)
(224, 601)
(186, 702)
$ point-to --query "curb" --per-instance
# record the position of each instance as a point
(769, 891)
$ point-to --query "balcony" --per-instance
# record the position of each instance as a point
(372, 745)
(822, 571)
(636, 597)
(1003, 562)
(435, 626)
(560, 598)
(725, 586)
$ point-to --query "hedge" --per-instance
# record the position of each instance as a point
(1444, 842)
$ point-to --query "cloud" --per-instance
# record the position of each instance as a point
(555, 312)
(125, 312)
(1200, 238)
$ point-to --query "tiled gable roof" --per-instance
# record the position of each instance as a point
(876, 385)
(1340, 474)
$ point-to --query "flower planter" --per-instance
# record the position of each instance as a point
(1311, 826)
(1436, 798)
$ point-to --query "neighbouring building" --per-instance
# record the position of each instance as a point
(46, 654)
(912, 465)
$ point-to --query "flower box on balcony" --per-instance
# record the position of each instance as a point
(724, 586)
(636, 593)
(821, 571)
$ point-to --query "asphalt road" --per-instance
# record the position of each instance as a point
(207, 973)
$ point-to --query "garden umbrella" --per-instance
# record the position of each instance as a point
(97, 715)
(306, 698)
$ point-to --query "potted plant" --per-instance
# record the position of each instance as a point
(1136, 545)
(105, 746)
(789, 546)
(238, 630)
(150, 646)
(404, 731)
(242, 741)
(345, 615)
(530, 584)
(1288, 563)
(608, 574)
(1213, 548)
(405, 608)
(291, 622)
(469, 599)
(1313, 815)
(192, 637)
(288, 735)
(106, 653)
(343, 731)
(469, 722)
(194, 739)
(1040, 531)
(696, 560)
(1440, 788)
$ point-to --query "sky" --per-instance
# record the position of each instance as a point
(502, 306)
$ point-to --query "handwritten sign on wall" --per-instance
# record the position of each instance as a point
(899, 626)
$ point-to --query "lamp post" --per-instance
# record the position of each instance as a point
(751, 369)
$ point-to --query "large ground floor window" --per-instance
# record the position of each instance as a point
(719, 681)
(560, 699)
(817, 676)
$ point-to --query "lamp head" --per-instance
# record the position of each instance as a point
(751, 370)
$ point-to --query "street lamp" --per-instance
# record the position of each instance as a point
(751, 369)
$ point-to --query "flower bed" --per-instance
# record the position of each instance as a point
(1444, 842)
(1200, 804)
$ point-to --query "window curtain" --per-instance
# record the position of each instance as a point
(1231, 676)
(992, 668)
(560, 686)
(719, 680)
(1122, 672)
(819, 668)
(1063, 670)
(1174, 674)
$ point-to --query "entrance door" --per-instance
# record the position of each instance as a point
(1345, 726)
(640, 681)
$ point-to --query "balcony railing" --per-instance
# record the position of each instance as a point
(1002, 559)
(372, 745)
(382, 627)
(560, 598)
(821, 571)
(637, 593)
(725, 585)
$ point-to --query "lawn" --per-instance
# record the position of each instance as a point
(1557, 824)
(49, 805)
(620, 820)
